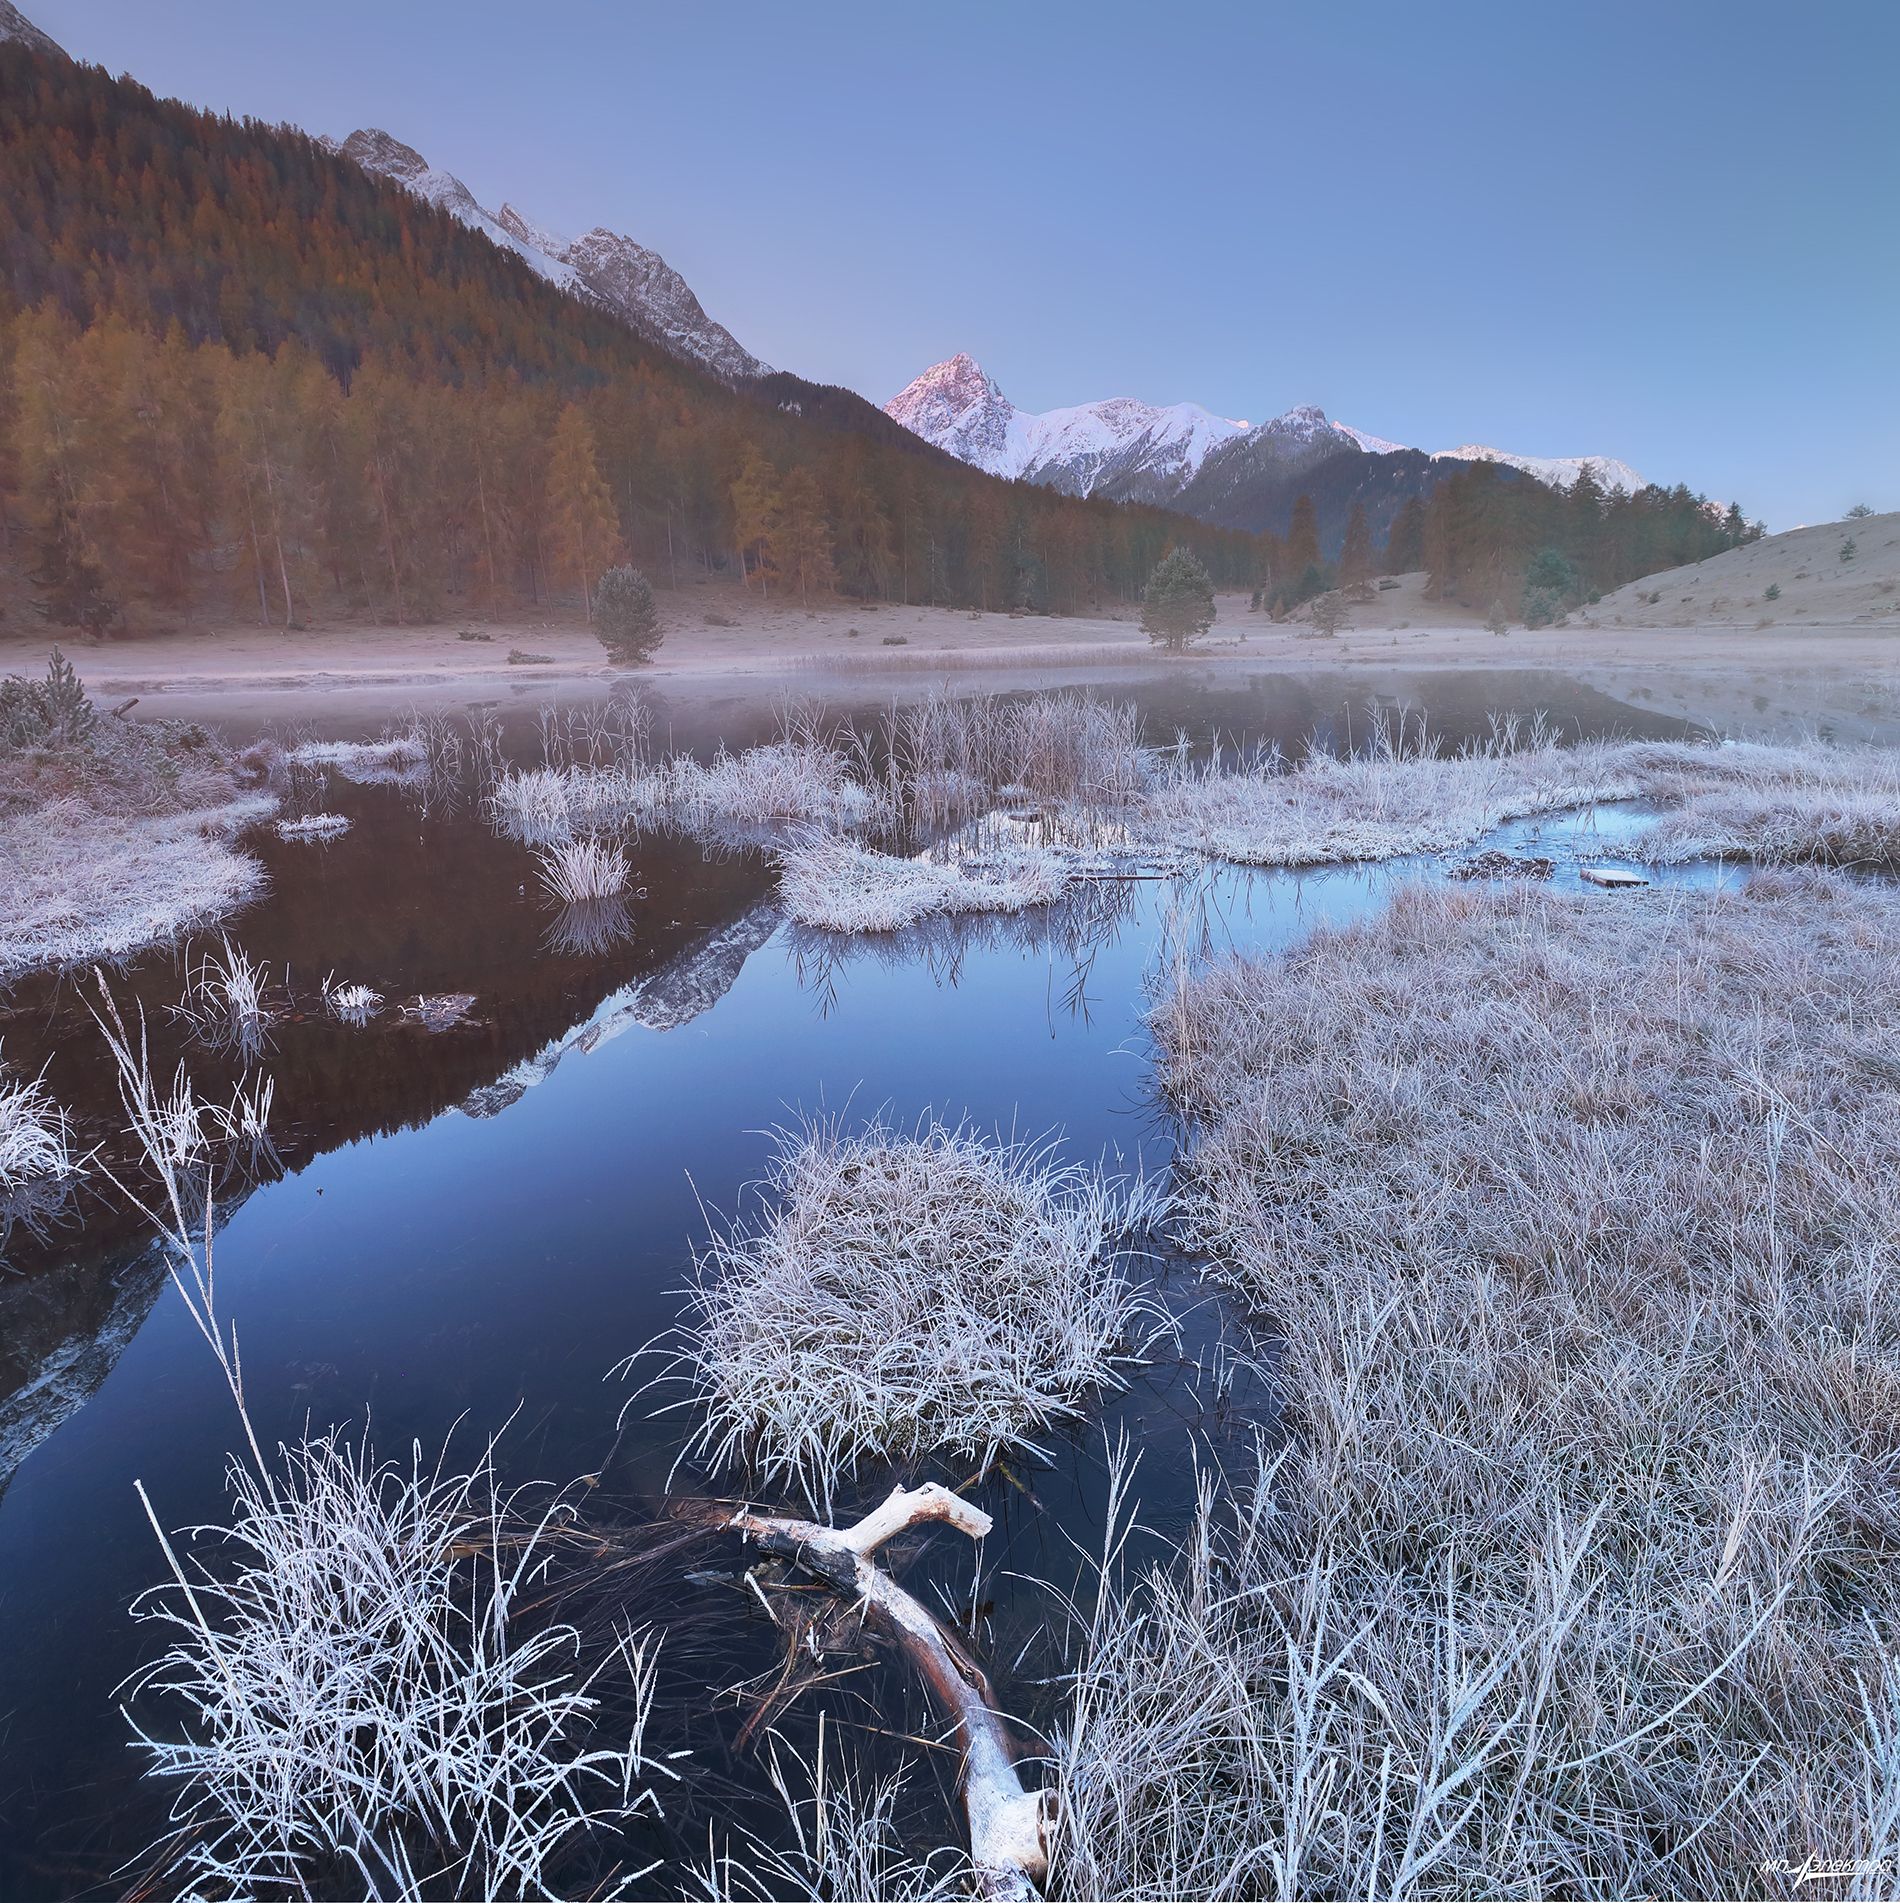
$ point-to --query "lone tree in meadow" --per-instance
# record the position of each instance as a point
(625, 618)
(1178, 604)
(1330, 612)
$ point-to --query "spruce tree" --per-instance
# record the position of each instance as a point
(1405, 546)
(1302, 537)
(625, 619)
(1178, 605)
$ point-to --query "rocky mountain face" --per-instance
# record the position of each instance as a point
(1239, 475)
(1128, 450)
(613, 270)
(14, 25)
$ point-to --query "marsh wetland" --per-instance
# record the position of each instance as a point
(1370, 1277)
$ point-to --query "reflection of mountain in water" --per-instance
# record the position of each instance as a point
(693, 982)
(60, 1334)
(407, 908)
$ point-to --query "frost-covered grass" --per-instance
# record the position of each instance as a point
(318, 828)
(80, 887)
(363, 1708)
(35, 1136)
(897, 1294)
(1779, 805)
(360, 1694)
(1398, 798)
(226, 998)
(788, 783)
(844, 1842)
(953, 756)
(396, 760)
(351, 1003)
(548, 806)
(796, 781)
(836, 885)
(1577, 1224)
(580, 871)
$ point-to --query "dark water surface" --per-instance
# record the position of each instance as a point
(476, 1225)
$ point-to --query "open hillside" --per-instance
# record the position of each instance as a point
(1829, 573)
(238, 371)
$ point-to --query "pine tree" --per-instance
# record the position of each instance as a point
(72, 588)
(1177, 607)
(583, 530)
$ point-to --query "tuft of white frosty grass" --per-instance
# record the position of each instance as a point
(82, 887)
(352, 1003)
(393, 761)
(35, 1139)
(838, 886)
(790, 782)
(583, 871)
(900, 1294)
(365, 1707)
(314, 827)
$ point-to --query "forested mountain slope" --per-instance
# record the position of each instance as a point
(237, 371)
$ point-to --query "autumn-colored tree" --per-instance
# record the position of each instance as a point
(583, 530)
(804, 541)
(756, 514)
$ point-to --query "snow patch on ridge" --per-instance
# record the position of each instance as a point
(958, 406)
(635, 283)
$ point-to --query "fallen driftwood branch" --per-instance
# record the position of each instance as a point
(1008, 1825)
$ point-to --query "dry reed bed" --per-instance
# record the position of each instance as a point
(1779, 805)
(1580, 1223)
(783, 784)
(899, 1294)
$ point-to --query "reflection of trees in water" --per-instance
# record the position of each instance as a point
(1072, 930)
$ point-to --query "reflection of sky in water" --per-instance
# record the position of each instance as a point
(480, 1224)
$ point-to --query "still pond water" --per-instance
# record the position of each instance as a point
(476, 1225)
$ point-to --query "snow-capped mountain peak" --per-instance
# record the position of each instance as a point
(524, 228)
(637, 284)
(1372, 445)
(14, 25)
(1120, 447)
(1561, 472)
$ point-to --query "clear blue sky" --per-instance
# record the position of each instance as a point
(1666, 232)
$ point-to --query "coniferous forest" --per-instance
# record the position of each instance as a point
(239, 375)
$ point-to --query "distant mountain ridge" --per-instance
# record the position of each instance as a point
(1185, 457)
(634, 282)
(1123, 448)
